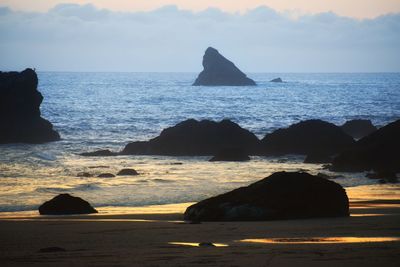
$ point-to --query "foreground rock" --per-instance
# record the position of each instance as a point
(99, 153)
(276, 80)
(231, 154)
(311, 137)
(378, 151)
(196, 138)
(283, 195)
(20, 120)
(220, 71)
(65, 204)
(358, 128)
(127, 172)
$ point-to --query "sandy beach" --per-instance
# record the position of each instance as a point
(157, 237)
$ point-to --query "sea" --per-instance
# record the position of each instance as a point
(107, 110)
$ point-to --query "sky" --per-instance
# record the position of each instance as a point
(258, 36)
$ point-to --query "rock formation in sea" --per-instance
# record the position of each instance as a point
(378, 151)
(305, 138)
(127, 172)
(219, 71)
(231, 154)
(281, 196)
(196, 138)
(276, 80)
(65, 204)
(99, 153)
(358, 128)
(20, 120)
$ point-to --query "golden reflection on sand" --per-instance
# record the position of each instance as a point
(197, 244)
(321, 240)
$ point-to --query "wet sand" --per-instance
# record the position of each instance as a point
(370, 237)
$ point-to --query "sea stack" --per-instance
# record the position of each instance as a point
(20, 120)
(219, 71)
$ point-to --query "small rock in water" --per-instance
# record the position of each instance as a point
(98, 153)
(106, 175)
(206, 244)
(276, 80)
(52, 249)
(84, 174)
(127, 172)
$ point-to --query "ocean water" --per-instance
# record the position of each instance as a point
(107, 110)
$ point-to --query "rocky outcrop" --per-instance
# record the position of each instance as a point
(196, 138)
(281, 196)
(20, 120)
(127, 172)
(231, 154)
(378, 151)
(358, 128)
(219, 71)
(106, 175)
(307, 137)
(276, 80)
(65, 204)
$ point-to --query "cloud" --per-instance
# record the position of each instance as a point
(83, 37)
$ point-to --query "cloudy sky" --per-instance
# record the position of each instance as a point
(259, 36)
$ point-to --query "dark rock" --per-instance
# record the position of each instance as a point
(65, 204)
(99, 153)
(106, 175)
(220, 71)
(276, 80)
(20, 120)
(358, 128)
(283, 195)
(318, 158)
(378, 151)
(206, 244)
(51, 250)
(84, 174)
(311, 137)
(196, 138)
(231, 154)
(128, 172)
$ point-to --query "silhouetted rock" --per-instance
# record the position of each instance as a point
(64, 204)
(84, 174)
(358, 128)
(196, 138)
(276, 80)
(106, 175)
(99, 153)
(220, 71)
(378, 151)
(127, 172)
(318, 158)
(283, 195)
(231, 154)
(20, 120)
(311, 137)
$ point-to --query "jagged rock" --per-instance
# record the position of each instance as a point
(196, 138)
(83, 174)
(220, 71)
(283, 195)
(378, 151)
(20, 120)
(311, 137)
(99, 153)
(276, 80)
(127, 172)
(106, 175)
(358, 128)
(231, 154)
(64, 204)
